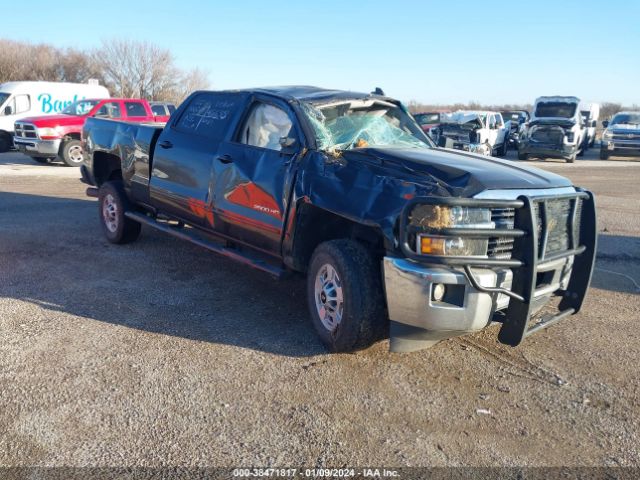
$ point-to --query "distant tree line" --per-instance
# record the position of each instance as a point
(127, 68)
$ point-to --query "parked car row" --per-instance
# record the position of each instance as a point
(558, 127)
(44, 120)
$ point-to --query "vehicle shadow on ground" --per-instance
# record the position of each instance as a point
(53, 254)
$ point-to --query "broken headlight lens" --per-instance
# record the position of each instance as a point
(442, 216)
(433, 218)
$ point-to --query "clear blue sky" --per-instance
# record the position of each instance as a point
(439, 51)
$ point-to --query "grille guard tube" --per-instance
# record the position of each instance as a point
(526, 257)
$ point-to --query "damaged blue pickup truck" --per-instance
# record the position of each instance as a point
(397, 238)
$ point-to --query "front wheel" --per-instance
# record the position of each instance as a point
(345, 296)
(72, 154)
(522, 156)
(113, 204)
(604, 154)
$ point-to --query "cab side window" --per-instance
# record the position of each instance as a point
(265, 126)
(499, 122)
(23, 103)
(492, 121)
(135, 109)
(109, 110)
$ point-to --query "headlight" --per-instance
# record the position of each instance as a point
(49, 132)
(452, 247)
(608, 134)
(437, 217)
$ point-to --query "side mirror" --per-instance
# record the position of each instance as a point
(287, 142)
(8, 110)
(605, 123)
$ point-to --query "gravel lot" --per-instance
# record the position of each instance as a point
(161, 354)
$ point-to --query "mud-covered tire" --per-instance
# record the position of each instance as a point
(71, 153)
(522, 156)
(504, 148)
(604, 154)
(363, 314)
(6, 142)
(113, 203)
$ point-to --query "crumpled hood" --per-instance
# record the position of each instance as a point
(462, 174)
(55, 120)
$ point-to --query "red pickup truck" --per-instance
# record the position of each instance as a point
(58, 136)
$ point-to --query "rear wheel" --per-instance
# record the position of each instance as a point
(345, 296)
(504, 148)
(113, 204)
(72, 153)
(5, 142)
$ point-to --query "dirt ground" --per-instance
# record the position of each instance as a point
(161, 354)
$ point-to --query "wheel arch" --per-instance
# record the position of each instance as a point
(315, 225)
(106, 167)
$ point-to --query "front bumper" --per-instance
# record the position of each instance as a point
(543, 150)
(36, 147)
(479, 291)
(622, 147)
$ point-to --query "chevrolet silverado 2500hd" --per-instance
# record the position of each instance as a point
(396, 237)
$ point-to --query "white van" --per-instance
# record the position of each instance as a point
(19, 100)
(590, 114)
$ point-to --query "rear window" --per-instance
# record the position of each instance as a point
(208, 114)
(158, 110)
(135, 109)
(427, 118)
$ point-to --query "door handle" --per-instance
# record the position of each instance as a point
(225, 159)
(165, 144)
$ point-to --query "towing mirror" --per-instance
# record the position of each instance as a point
(287, 142)
(605, 123)
(8, 110)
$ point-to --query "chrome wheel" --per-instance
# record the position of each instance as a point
(110, 213)
(329, 297)
(75, 154)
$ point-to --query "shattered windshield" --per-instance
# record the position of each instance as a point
(626, 119)
(556, 109)
(363, 123)
(81, 107)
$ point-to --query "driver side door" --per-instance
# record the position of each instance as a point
(254, 173)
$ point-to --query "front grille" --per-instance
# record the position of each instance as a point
(626, 136)
(558, 213)
(548, 135)
(501, 247)
(25, 130)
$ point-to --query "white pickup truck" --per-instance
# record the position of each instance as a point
(556, 130)
(482, 132)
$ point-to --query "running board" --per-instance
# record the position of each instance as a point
(224, 251)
